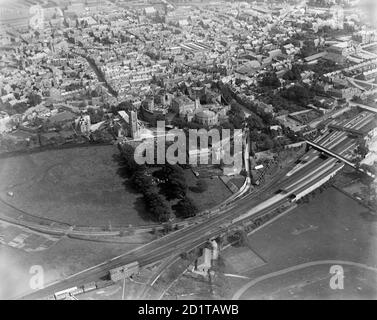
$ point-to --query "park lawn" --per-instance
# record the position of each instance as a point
(79, 186)
(217, 191)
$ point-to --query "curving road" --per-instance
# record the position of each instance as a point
(248, 285)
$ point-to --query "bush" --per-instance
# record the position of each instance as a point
(270, 80)
(156, 205)
(175, 186)
(185, 208)
(141, 181)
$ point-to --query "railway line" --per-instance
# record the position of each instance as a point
(307, 176)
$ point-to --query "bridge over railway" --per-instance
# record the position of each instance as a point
(339, 157)
(363, 106)
(347, 129)
(331, 153)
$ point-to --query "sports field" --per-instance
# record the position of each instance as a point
(79, 186)
(300, 247)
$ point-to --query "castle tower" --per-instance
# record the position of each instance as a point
(197, 99)
(134, 126)
(197, 103)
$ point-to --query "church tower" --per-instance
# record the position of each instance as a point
(134, 125)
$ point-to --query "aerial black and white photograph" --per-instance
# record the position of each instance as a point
(190, 150)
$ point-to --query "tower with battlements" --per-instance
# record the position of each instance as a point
(133, 125)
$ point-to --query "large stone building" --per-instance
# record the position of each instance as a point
(183, 105)
(206, 117)
(129, 124)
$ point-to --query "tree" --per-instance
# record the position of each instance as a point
(141, 181)
(362, 149)
(185, 208)
(239, 238)
(174, 182)
(236, 121)
(297, 93)
(20, 107)
(34, 99)
(289, 75)
(270, 80)
(167, 170)
(255, 122)
(96, 115)
(82, 105)
(128, 163)
(175, 187)
(308, 49)
(267, 142)
(369, 168)
(156, 205)
(294, 74)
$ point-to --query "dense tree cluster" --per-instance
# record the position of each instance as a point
(280, 103)
(238, 238)
(270, 79)
(167, 183)
(185, 208)
(298, 94)
(182, 123)
(322, 67)
(291, 135)
(294, 74)
(235, 116)
(19, 107)
(128, 163)
(156, 205)
(308, 49)
(362, 149)
(34, 99)
(96, 115)
(141, 180)
(259, 121)
(173, 184)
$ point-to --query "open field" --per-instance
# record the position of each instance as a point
(313, 282)
(331, 227)
(79, 186)
(241, 259)
(65, 257)
(217, 191)
(25, 239)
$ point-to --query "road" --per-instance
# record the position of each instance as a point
(315, 169)
(248, 285)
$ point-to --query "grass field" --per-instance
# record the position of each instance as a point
(313, 282)
(217, 191)
(79, 186)
(331, 227)
(65, 257)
